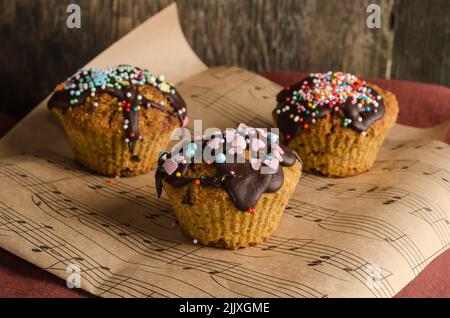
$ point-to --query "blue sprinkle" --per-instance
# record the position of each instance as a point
(220, 158)
(367, 109)
(99, 78)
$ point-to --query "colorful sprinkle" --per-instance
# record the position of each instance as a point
(321, 95)
(120, 82)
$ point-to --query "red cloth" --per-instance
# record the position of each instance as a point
(421, 105)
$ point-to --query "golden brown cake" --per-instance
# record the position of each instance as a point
(119, 119)
(229, 190)
(335, 121)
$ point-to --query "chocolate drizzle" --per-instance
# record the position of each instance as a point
(122, 82)
(323, 95)
(241, 176)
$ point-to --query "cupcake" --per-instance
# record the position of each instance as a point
(335, 121)
(118, 119)
(229, 190)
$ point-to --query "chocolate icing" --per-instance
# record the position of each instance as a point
(295, 114)
(243, 183)
(122, 82)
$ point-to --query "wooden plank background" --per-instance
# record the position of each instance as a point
(38, 50)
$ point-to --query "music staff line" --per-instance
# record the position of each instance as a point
(416, 167)
(168, 253)
(392, 236)
(433, 146)
(371, 228)
(159, 274)
(136, 195)
(61, 163)
(361, 279)
(226, 107)
(45, 240)
(417, 205)
(320, 254)
(68, 208)
(256, 82)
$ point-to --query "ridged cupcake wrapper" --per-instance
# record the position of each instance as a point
(214, 221)
(111, 156)
(337, 155)
(329, 148)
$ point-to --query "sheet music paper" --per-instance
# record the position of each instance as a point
(364, 236)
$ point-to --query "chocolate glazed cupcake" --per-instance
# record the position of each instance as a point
(118, 119)
(335, 121)
(235, 198)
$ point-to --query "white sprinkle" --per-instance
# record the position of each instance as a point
(95, 104)
(129, 95)
(139, 97)
(195, 241)
(360, 119)
(278, 111)
(127, 140)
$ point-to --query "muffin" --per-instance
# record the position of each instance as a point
(118, 119)
(335, 121)
(229, 190)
